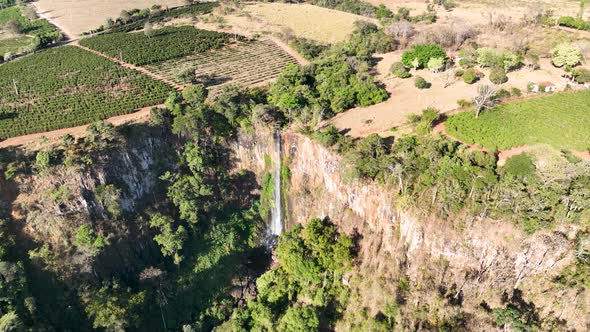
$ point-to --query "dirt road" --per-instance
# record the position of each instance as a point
(140, 116)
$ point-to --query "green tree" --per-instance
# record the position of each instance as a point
(11, 322)
(194, 94)
(170, 240)
(299, 319)
(42, 161)
(110, 198)
(421, 83)
(100, 135)
(436, 64)
(398, 69)
(423, 53)
(469, 76)
(566, 54)
(498, 76)
(114, 308)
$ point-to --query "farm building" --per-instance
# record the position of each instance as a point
(543, 87)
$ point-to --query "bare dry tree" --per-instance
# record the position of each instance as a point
(148, 30)
(485, 99)
(401, 30)
(447, 76)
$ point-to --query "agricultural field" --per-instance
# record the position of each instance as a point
(560, 120)
(67, 86)
(31, 34)
(245, 64)
(165, 44)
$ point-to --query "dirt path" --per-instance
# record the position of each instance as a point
(68, 35)
(140, 116)
(302, 61)
(130, 66)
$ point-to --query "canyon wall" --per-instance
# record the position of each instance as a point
(480, 258)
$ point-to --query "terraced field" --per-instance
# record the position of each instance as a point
(245, 64)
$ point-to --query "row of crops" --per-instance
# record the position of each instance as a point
(67, 86)
(163, 15)
(246, 64)
(139, 48)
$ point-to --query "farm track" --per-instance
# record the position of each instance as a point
(133, 67)
(142, 115)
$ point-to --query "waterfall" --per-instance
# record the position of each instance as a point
(276, 225)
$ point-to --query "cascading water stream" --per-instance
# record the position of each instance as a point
(276, 223)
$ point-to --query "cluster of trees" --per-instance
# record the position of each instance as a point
(424, 56)
(21, 21)
(488, 57)
(305, 291)
(336, 81)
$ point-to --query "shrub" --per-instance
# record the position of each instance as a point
(491, 57)
(459, 73)
(42, 161)
(502, 93)
(85, 237)
(571, 22)
(423, 53)
(581, 75)
(566, 54)
(498, 76)
(308, 48)
(469, 76)
(421, 83)
(436, 64)
(468, 57)
(427, 119)
(521, 166)
(399, 70)
(515, 92)
(463, 103)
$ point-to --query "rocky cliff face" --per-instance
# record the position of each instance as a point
(49, 207)
(480, 259)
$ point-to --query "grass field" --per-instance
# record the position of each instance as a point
(15, 45)
(67, 86)
(561, 120)
(245, 64)
(304, 20)
(165, 44)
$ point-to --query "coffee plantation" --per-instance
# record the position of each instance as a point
(67, 86)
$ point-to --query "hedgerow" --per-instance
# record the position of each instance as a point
(137, 23)
(67, 86)
(166, 43)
